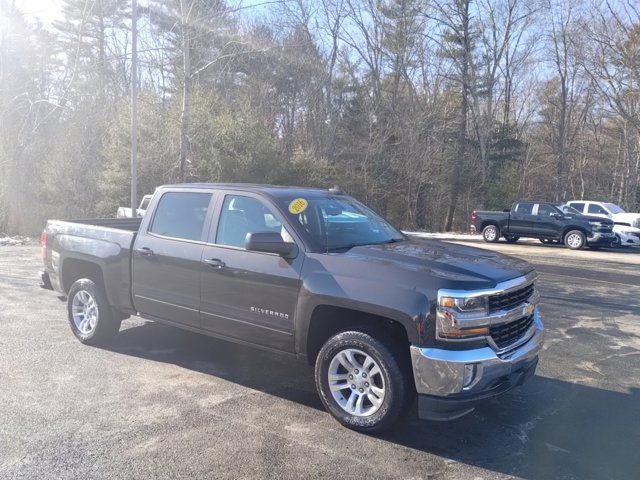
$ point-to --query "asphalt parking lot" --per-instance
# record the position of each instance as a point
(163, 403)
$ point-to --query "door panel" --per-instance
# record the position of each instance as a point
(166, 284)
(521, 220)
(545, 224)
(167, 258)
(247, 295)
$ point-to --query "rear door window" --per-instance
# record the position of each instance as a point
(524, 208)
(181, 215)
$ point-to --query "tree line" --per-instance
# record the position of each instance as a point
(423, 109)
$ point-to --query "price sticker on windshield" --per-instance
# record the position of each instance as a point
(298, 205)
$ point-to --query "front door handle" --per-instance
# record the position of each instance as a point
(214, 262)
(144, 251)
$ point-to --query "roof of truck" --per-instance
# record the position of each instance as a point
(273, 190)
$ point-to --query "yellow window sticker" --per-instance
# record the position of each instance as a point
(297, 205)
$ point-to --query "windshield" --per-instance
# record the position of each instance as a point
(338, 222)
(613, 208)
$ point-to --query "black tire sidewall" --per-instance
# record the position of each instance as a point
(582, 235)
(392, 374)
(484, 233)
(106, 327)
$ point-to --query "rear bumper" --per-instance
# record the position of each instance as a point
(445, 393)
(46, 281)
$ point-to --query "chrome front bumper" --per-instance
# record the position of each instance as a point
(599, 238)
(439, 372)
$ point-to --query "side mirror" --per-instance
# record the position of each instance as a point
(268, 242)
(557, 216)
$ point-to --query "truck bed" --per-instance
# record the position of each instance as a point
(105, 242)
(131, 224)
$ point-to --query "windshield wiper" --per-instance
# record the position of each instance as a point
(349, 246)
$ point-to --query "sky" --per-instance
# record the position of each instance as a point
(49, 10)
(45, 10)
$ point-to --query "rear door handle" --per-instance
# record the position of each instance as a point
(214, 262)
(144, 251)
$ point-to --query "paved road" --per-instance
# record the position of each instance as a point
(163, 403)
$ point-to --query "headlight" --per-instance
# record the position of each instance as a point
(594, 223)
(457, 317)
(478, 304)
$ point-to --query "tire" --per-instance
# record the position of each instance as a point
(617, 243)
(575, 240)
(512, 238)
(87, 298)
(356, 349)
(491, 233)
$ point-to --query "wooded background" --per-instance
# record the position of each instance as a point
(424, 110)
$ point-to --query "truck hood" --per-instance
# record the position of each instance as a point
(632, 219)
(466, 267)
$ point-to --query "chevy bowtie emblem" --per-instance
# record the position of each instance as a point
(528, 309)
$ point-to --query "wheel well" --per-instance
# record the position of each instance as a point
(568, 229)
(328, 320)
(74, 269)
(486, 223)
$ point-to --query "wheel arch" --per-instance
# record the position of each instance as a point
(73, 269)
(488, 222)
(328, 320)
(573, 227)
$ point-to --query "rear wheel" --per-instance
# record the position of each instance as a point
(512, 238)
(89, 313)
(575, 240)
(490, 233)
(361, 382)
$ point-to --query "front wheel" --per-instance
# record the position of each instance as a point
(617, 242)
(490, 233)
(575, 240)
(361, 382)
(89, 313)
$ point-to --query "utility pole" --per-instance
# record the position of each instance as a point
(134, 106)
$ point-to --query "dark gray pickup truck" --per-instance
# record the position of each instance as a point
(314, 274)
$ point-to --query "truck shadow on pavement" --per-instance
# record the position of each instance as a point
(547, 428)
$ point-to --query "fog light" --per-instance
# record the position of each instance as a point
(469, 374)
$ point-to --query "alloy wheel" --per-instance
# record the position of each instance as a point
(356, 382)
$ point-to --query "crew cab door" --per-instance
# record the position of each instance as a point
(547, 221)
(521, 219)
(250, 296)
(167, 256)
(596, 210)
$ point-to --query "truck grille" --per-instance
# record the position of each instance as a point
(508, 300)
(508, 333)
(605, 228)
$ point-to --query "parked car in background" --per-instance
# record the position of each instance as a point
(314, 274)
(626, 225)
(548, 222)
(124, 212)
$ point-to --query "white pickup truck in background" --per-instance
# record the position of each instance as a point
(124, 212)
(626, 224)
